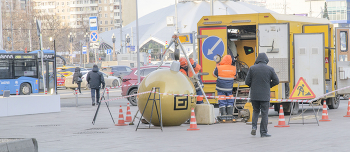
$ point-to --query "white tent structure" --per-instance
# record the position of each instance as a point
(153, 26)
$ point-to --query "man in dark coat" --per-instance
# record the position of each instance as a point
(260, 79)
(77, 78)
(95, 79)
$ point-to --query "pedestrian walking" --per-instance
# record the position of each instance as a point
(260, 79)
(225, 73)
(95, 79)
(77, 78)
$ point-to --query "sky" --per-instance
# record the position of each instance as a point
(148, 6)
(293, 6)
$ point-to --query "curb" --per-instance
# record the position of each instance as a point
(19, 145)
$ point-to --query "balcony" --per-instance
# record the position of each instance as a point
(82, 5)
(116, 17)
(116, 3)
(82, 12)
(116, 10)
(45, 7)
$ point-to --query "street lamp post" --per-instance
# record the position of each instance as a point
(87, 47)
(70, 37)
(54, 63)
(114, 53)
(127, 43)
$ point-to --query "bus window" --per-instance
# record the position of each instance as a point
(6, 70)
(25, 68)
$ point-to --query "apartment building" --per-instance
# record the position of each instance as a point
(76, 13)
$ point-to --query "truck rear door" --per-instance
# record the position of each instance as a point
(343, 59)
(273, 39)
(215, 43)
(309, 60)
(322, 28)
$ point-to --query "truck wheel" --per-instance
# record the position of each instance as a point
(333, 103)
(25, 89)
(133, 99)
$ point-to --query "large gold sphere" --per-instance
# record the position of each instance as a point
(175, 109)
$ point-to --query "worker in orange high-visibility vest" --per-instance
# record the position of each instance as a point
(196, 67)
(225, 73)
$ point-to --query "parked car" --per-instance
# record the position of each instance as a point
(132, 79)
(68, 71)
(118, 71)
(111, 81)
(60, 80)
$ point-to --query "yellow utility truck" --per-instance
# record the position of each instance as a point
(297, 47)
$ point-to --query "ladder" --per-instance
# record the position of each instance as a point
(243, 93)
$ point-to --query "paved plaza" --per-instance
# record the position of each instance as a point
(71, 130)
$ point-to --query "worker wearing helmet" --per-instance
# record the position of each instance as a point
(196, 67)
(183, 65)
(225, 73)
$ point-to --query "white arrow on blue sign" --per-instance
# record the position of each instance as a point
(212, 46)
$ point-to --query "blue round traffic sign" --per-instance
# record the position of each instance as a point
(212, 46)
(93, 36)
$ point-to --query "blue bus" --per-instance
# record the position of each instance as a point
(22, 72)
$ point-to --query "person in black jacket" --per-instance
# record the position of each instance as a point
(95, 79)
(77, 78)
(260, 79)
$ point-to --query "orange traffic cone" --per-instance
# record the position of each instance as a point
(121, 118)
(193, 123)
(281, 120)
(324, 112)
(128, 117)
(348, 113)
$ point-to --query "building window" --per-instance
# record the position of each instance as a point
(105, 15)
(68, 17)
(106, 22)
(106, 29)
(68, 10)
(63, 17)
(100, 22)
(106, 1)
(116, 14)
(111, 15)
(111, 28)
(67, 3)
(116, 7)
(62, 3)
(99, 1)
(62, 10)
(58, 17)
(101, 29)
(100, 8)
(99, 15)
(62, 23)
(58, 10)
(58, 3)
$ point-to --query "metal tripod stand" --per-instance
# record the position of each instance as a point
(98, 107)
(175, 40)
